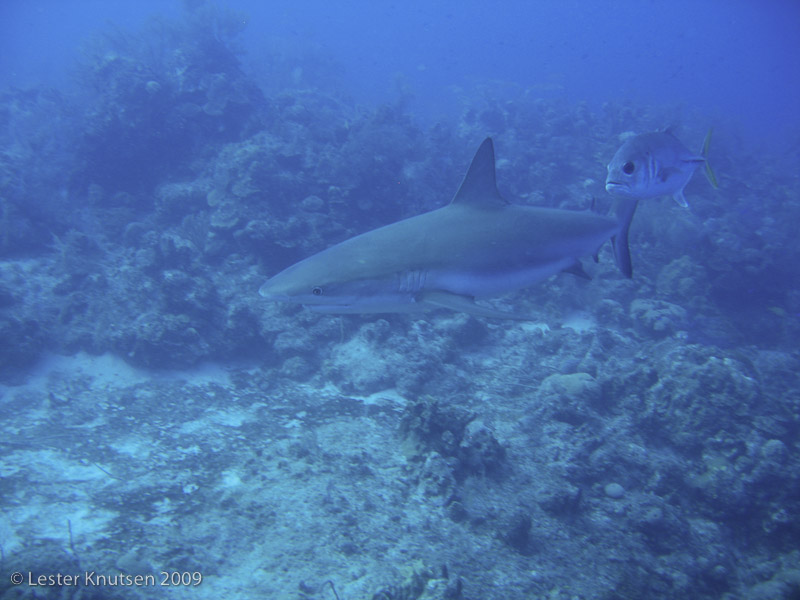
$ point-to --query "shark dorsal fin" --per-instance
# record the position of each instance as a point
(479, 187)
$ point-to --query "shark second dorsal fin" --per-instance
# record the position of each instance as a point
(479, 187)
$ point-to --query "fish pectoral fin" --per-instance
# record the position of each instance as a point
(667, 172)
(694, 160)
(467, 305)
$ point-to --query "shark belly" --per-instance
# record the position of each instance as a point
(484, 283)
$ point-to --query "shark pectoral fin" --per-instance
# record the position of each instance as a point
(680, 199)
(467, 305)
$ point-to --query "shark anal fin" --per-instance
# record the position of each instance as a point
(467, 305)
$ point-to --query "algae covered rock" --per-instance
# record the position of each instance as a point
(698, 395)
(580, 386)
(225, 216)
(190, 295)
(365, 364)
(658, 317)
(173, 201)
(163, 341)
(23, 343)
(453, 433)
(682, 278)
(570, 398)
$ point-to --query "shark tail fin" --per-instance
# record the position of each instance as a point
(709, 173)
(624, 210)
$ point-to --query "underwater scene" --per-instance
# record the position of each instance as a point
(399, 301)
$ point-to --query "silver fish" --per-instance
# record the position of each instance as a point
(656, 164)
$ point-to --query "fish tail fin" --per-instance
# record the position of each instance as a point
(712, 179)
(623, 211)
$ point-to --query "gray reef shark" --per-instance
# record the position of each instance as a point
(655, 164)
(477, 246)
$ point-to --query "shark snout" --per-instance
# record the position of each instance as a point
(265, 290)
(268, 290)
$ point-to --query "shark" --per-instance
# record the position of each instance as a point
(477, 246)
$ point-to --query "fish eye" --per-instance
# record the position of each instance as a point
(317, 291)
(628, 168)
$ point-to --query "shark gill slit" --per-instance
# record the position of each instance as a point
(412, 282)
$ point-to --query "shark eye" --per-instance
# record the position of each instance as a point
(628, 168)
(317, 291)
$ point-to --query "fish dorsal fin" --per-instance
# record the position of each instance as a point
(479, 187)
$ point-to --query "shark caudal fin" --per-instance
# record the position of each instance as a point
(623, 211)
(712, 179)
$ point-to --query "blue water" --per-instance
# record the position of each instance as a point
(630, 438)
(736, 60)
